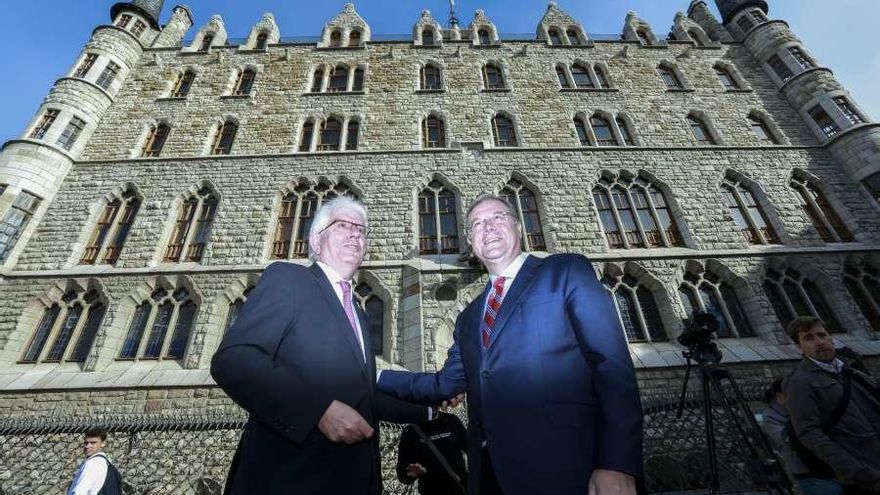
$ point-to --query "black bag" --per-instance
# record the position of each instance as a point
(113, 481)
(817, 467)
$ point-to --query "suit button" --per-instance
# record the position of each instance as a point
(485, 374)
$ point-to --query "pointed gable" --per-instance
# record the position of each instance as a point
(341, 28)
(556, 19)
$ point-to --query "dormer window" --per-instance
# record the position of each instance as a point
(354, 39)
(555, 39)
(336, 39)
(428, 37)
(206, 42)
(643, 36)
(483, 36)
(573, 37)
(262, 41)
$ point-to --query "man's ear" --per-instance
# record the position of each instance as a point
(314, 245)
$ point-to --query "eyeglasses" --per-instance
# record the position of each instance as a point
(480, 223)
(346, 226)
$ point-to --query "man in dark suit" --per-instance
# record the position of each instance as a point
(298, 360)
(553, 405)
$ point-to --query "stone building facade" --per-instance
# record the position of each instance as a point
(719, 167)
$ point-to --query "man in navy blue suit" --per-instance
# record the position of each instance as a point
(553, 404)
(298, 360)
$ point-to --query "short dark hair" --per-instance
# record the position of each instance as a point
(774, 388)
(802, 324)
(96, 433)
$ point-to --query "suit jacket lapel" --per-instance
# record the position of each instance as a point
(523, 280)
(340, 320)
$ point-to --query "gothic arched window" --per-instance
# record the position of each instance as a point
(235, 308)
(183, 84)
(636, 308)
(634, 213)
(670, 78)
(245, 82)
(192, 230)
(706, 292)
(155, 140)
(111, 230)
(431, 78)
(224, 138)
(602, 130)
(525, 204)
(338, 79)
(76, 318)
(291, 239)
(504, 131)
(701, 131)
(762, 130)
(581, 77)
(375, 309)
(164, 310)
(791, 295)
(747, 213)
(433, 132)
(863, 285)
(331, 135)
(438, 220)
(814, 203)
(493, 77)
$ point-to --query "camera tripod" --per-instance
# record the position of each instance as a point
(765, 462)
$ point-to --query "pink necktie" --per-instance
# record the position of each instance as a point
(349, 311)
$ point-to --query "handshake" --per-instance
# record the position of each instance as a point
(342, 424)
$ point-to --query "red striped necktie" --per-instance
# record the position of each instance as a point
(492, 307)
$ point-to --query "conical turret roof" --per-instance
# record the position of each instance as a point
(151, 9)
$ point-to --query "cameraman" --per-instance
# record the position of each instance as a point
(834, 409)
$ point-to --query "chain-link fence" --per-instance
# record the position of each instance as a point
(190, 455)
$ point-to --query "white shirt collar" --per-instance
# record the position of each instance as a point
(512, 269)
(334, 277)
(835, 366)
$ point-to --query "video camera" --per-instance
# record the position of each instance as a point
(697, 337)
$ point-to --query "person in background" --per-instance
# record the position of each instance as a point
(96, 475)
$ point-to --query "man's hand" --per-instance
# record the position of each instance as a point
(415, 470)
(452, 402)
(341, 423)
(607, 482)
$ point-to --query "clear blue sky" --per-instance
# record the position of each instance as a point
(44, 37)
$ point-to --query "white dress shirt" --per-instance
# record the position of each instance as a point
(835, 366)
(509, 274)
(90, 476)
(335, 278)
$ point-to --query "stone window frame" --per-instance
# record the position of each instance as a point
(319, 123)
(71, 133)
(536, 239)
(671, 236)
(290, 227)
(108, 75)
(754, 17)
(365, 294)
(579, 34)
(335, 38)
(138, 28)
(440, 117)
(783, 65)
(436, 37)
(476, 38)
(666, 67)
(261, 41)
(832, 222)
(182, 85)
(42, 126)
(600, 119)
(224, 305)
(698, 37)
(152, 141)
(233, 308)
(503, 72)
(122, 21)
(179, 293)
(839, 119)
(707, 125)
(625, 123)
(355, 41)
(514, 126)
(204, 41)
(84, 65)
(773, 232)
(223, 130)
(781, 283)
(562, 74)
(614, 122)
(730, 310)
(602, 76)
(645, 35)
(639, 289)
(70, 336)
(554, 36)
(862, 282)
(769, 126)
(192, 217)
(244, 80)
(422, 67)
(326, 71)
(731, 72)
(111, 220)
(445, 243)
(16, 220)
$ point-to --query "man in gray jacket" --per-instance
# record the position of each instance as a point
(835, 410)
